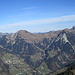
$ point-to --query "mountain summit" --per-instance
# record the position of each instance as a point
(73, 27)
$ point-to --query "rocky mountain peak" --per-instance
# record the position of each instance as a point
(23, 32)
(62, 36)
(73, 28)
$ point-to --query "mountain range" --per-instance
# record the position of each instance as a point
(25, 53)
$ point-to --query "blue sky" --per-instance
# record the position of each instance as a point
(36, 15)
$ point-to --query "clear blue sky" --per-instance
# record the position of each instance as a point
(36, 15)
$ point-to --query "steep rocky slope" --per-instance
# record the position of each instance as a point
(62, 50)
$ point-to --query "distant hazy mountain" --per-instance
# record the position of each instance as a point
(26, 53)
(3, 34)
